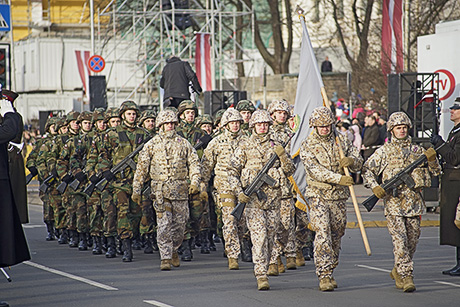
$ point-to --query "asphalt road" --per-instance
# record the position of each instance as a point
(61, 276)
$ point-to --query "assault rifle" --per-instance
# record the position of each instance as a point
(127, 161)
(29, 178)
(402, 177)
(261, 178)
(63, 185)
(47, 183)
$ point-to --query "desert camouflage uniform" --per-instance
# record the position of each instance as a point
(320, 156)
(170, 162)
(262, 217)
(402, 212)
(216, 158)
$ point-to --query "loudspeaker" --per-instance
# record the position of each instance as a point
(97, 92)
(216, 100)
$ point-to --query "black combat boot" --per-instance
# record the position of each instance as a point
(83, 244)
(127, 250)
(187, 251)
(104, 243)
(205, 242)
(455, 271)
(64, 237)
(307, 252)
(97, 249)
(89, 239)
(212, 245)
(246, 252)
(119, 247)
(73, 238)
(111, 248)
(50, 229)
(137, 243)
(148, 244)
(154, 242)
(216, 238)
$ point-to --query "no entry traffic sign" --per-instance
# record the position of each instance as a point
(96, 63)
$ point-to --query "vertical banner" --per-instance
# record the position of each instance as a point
(392, 60)
(203, 61)
(308, 97)
(83, 69)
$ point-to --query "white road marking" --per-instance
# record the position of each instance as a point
(33, 226)
(373, 268)
(447, 283)
(156, 303)
(71, 276)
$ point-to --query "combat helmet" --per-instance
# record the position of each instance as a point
(260, 116)
(229, 116)
(281, 105)
(187, 105)
(128, 105)
(204, 119)
(245, 105)
(72, 115)
(166, 116)
(49, 122)
(98, 114)
(218, 116)
(398, 118)
(85, 115)
(147, 114)
(320, 117)
(60, 122)
(111, 113)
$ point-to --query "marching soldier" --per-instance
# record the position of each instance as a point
(215, 159)
(327, 191)
(246, 108)
(404, 206)
(118, 143)
(262, 217)
(173, 166)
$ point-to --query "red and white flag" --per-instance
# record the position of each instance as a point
(428, 97)
(83, 69)
(392, 60)
(203, 61)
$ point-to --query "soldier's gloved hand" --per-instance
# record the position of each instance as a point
(346, 162)
(457, 223)
(194, 189)
(108, 175)
(204, 196)
(243, 198)
(136, 198)
(80, 176)
(346, 180)
(5, 107)
(280, 151)
(67, 178)
(94, 179)
(379, 192)
(436, 140)
(33, 171)
(430, 154)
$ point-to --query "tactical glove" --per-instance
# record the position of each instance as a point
(136, 198)
(457, 223)
(94, 179)
(108, 175)
(436, 140)
(280, 151)
(204, 196)
(5, 107)
(193, 189)
(243, 198)
(379, 192)
(430, 154)
(33, 171)
(67, 178)
(80, 176)
(346, 180)
(346, 162)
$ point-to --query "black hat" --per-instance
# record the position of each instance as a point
(10, 95)
(456, 105)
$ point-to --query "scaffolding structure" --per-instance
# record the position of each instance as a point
(163, 28)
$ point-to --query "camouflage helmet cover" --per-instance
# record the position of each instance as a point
(218, 116)
(128, 105)
(204, 119)
(320, 117)
(187, 105)
(147, 114)
(230, 115)
(111, 113)
(85, 115)
(260, 116)
(245, 105)
(398, 118)
(60, 122)
(166, 116)
(276, 105)
(98, 114)
(49, 122)
(72, 115)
